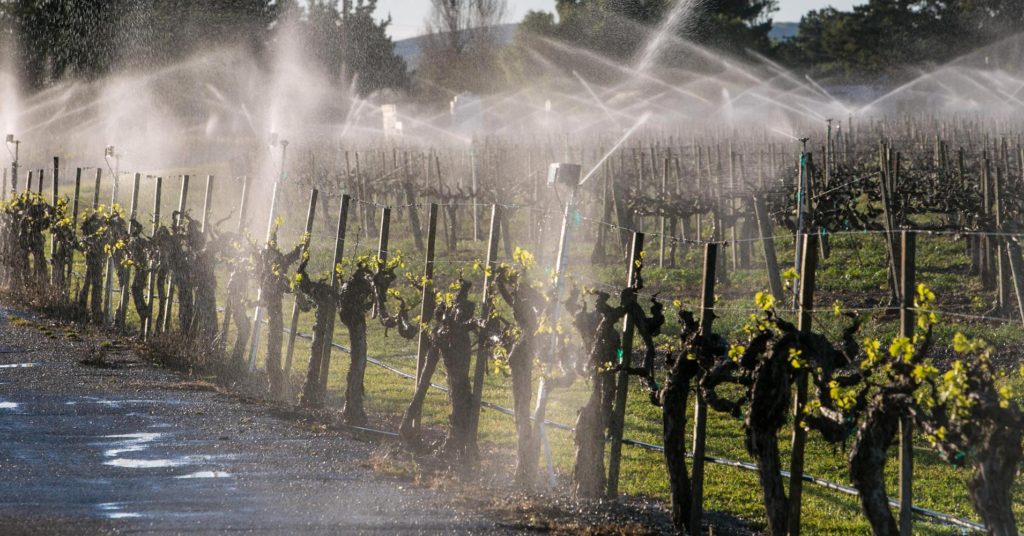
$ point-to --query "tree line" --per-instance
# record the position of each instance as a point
(56, 40)
(879, 41)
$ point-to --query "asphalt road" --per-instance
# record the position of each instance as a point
(87, 450)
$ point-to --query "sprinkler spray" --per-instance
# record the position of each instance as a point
(257, 316)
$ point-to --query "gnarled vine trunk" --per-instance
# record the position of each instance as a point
(991, 485)
(354, 413)
(313, 395)
(237, 288)
(674, 399)
(275, 331)
(867, 466)
(520, 361)
(588, 473)
(768, 409)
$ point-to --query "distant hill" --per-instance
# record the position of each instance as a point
(784, 31)
(412, 48)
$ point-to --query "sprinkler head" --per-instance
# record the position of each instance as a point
(108, 152)
(565, 174)
(10, 138)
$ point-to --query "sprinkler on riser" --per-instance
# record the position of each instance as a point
(566, 177)
(109, 152)
(255, 345)
(14, 162)
(801, 193)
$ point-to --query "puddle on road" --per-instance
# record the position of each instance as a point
(141, 436)
(110, 453)
(198, 459)
(148, 464)
(206, 474)
(122, 515)
(128, 443)
(19, 365)
(112, 511)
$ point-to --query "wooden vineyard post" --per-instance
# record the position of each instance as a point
(175, 222)
(446, 224)
(699, 183)
(294, 325)
(339, 252)
(122, 306)
(700, 408)
(617, 422)
(661, 223)
(207, 203)
(684, 221)
(505, 233)
(1013, 256)
(149, 325)
(1002, 268)
(69, 269)
(889, 224)
(473, 190)
(598, 253)
(411, 419)
(410, 199)
(427, 292)
(764, 228)
(53, 203)
(382, 241)
(796, 465)
(367, 211)
(385, 234)
(485, 314)
(96, 189)
(909, 286)
(985, 240)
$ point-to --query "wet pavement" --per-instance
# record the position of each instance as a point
(132, 449)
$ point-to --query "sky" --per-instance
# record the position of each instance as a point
(408, 15)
